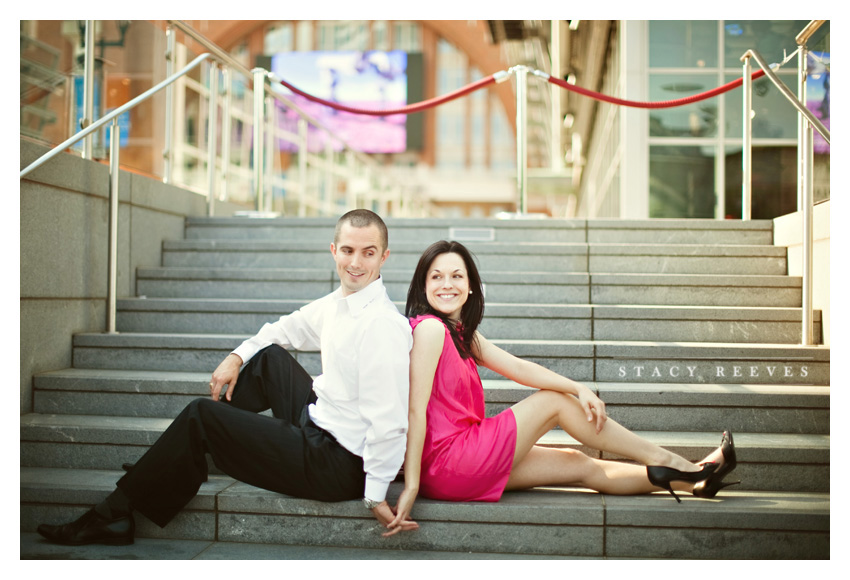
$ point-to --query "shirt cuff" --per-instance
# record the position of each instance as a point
(376, 490)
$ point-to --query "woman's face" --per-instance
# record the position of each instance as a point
(447, 285)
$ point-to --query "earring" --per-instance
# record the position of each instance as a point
(470, 291)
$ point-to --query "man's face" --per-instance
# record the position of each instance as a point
(359, 255)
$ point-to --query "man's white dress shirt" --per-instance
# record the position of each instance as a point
(363, 389)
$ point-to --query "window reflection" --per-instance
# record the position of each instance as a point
(695, 120)
(773, 39)
(774, 118)
(683, 43)
(681, 182)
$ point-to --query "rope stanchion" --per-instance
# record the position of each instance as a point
(412, 108)
(649, 105)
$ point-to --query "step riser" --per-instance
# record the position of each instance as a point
(783, 472)
(505, 328)
(581, 368)
(700, 417)
(532, 294)
(324, 235)
(570, 231)
(594, 540)
(497, 262)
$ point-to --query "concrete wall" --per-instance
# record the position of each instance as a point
(64, 222)
(788, 231)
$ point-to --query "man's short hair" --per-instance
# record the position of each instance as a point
(363, 218)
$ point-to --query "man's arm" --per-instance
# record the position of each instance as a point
(299, 330)
(383, 375)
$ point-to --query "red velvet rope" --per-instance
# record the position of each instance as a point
(413, 108)
(416, 107)
(658, 104)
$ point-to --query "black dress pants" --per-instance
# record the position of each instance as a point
(287, 454)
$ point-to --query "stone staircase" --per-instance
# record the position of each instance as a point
(684, 328)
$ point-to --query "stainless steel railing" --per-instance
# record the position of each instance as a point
(805, 151)
(354, 165)
(114, 154)
(382, 188)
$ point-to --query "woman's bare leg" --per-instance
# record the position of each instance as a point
(547, 466)
(534, 465)
(542, 411)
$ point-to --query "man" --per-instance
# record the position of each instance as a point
(339, 437)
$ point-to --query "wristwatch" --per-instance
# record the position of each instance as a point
(370, 503)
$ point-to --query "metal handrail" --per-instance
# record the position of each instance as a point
(114, 172)
(808, 31)
(786, 92)
(805, 155)
(114, 114)
(270, 83)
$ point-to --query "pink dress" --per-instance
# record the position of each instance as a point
(467, 456)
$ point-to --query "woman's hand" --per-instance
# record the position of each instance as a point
(592, 405)
(402, 514)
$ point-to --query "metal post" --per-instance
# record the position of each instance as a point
(225, 131)
(302, 165)
(330, 181)
(112, 268)
(747, 150)
(556, 158)
(212, 137)
(88, 88)
(805, 188)
(521, 131)
(271, 138)
(259, 122)
(168, 152)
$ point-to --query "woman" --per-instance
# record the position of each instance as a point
(454, 453)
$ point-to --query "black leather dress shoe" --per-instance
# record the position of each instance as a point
(92, 528)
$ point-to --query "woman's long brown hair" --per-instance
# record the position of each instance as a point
(472, 311)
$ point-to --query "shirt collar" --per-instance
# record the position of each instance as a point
(358, 301)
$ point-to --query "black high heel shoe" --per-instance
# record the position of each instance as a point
(661, 476)
(709, 487)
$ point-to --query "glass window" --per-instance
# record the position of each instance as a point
(380, 35)
(681, 182)
(695, 120)
(278, 38)
(774, 182)
(773, 39)
(775, 117)
(406, 36)
(683, 43)
(304, 35)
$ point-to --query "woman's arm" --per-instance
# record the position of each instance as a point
(428, 338)
(533, 375)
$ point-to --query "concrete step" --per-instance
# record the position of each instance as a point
(650, 407)
(503, 321)
(669, 231)
(523, 287)
(34, 547)
(767, 461)
(602, 361)
(498, 256)
(548, 522)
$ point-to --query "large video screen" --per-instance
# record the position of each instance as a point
(375, 80)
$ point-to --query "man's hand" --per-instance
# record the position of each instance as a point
(226, 374)
(385, 515)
